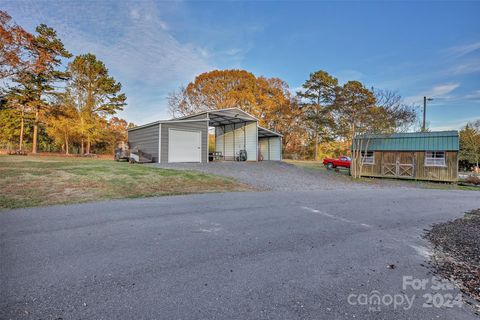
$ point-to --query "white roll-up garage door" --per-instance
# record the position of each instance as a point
(184, 146)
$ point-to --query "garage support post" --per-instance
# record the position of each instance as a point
(245, 136)
(268, 142)
(233, 132)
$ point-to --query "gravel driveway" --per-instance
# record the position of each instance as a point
(270, 175)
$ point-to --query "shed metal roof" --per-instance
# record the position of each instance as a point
(413, 141)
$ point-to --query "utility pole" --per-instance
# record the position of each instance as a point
(424, 113)
(424, 128)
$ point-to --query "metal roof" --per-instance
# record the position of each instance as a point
(264, 133)
(222, 117)
(229, 116)
(218, 118)
(412, 141)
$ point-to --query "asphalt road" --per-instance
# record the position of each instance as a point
(263, 255)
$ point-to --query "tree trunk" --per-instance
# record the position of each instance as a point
(22, 124)
(35, 131)
(81, 147)
(316, 146)
(88, 145)
(354, 152)
(66, 144)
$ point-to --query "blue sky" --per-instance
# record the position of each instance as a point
(422, 48)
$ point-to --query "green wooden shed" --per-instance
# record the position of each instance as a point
(416, 155)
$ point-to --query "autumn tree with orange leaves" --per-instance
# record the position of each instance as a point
(43, 102)
(34, 83)
(14, 41)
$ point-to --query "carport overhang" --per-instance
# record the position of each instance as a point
(265, 133)
(228, 116)
(223, 117)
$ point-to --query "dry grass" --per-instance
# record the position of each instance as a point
(37, 181)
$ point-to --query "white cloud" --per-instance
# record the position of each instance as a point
(475, 96)
(137, 46)
(462, 50)
(465, 68)
(442, 90)
(134, 13)
(163, 25)
(138, 42)
(233, 51)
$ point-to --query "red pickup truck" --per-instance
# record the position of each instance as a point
(342, 161)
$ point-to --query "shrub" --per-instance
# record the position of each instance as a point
(473, 180)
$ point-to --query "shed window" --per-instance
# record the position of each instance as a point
(368, 157)
(435, 158)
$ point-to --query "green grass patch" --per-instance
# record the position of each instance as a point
(37, 181)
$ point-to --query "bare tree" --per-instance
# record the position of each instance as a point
(398, 116)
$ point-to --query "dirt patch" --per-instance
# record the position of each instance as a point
(457, 253)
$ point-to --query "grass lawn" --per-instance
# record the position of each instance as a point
(38, 181)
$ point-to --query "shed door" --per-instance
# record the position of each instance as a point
(398, 164)
(389, 164)
(184, 146)
(406, 164)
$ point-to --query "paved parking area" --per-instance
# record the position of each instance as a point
(249, 255)
(271, 175)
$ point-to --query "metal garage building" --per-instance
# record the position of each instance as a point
(185, 139)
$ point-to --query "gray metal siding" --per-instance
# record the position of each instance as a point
(188, 126)
(145, 139)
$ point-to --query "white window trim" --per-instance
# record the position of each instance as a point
(368, 160)
(433, 160)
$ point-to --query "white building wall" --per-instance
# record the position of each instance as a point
(240, 135)
(251, 132)
(271, 148)
(219, 142)
(263, 146)
(245, 138)
(275, 149)
(228, 152)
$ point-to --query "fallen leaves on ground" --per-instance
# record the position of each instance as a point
(457, 253)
